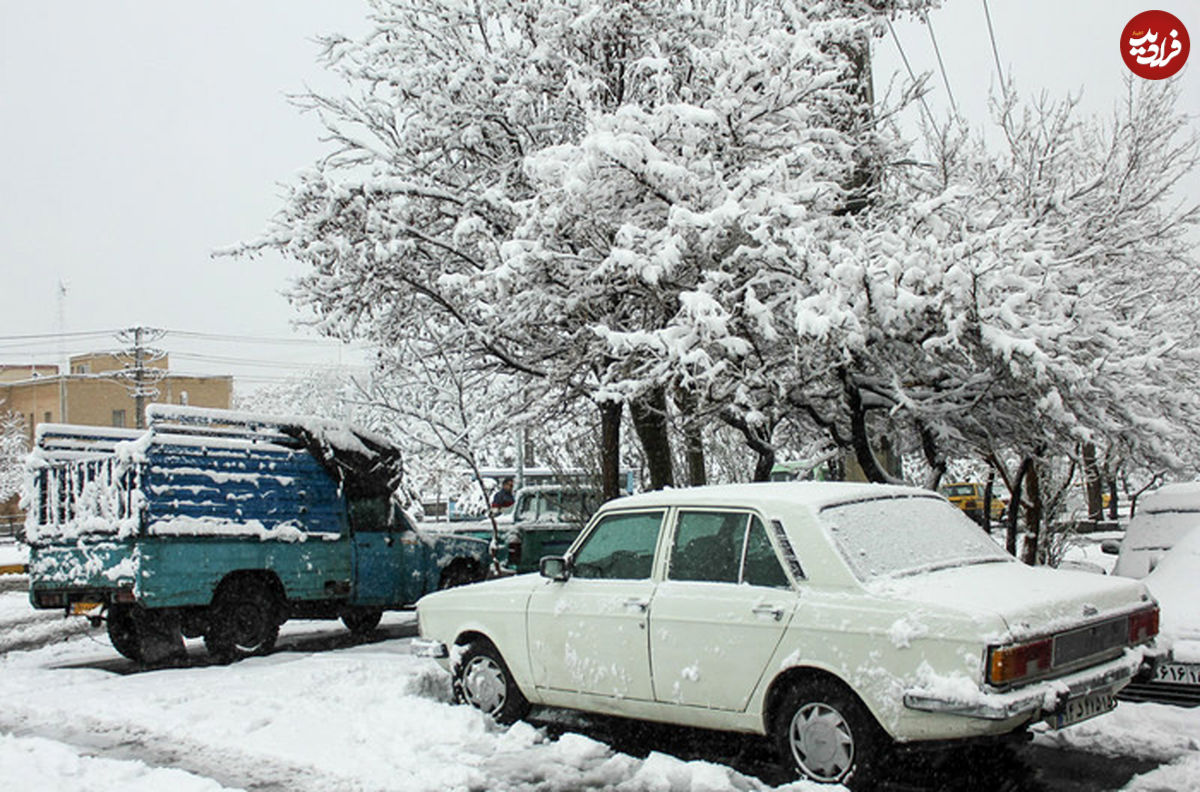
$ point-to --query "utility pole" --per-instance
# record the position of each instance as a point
(141, 378)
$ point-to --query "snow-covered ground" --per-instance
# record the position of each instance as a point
(365, 717)
(324, 713)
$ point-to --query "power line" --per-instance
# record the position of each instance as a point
(911, 75)
(938, 52)
(59, 336)
(992, 35)
(259, 339)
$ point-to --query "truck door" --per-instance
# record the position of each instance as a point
(378, 553)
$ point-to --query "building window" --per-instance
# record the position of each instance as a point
(118, 418)
(81, 368)
(46, 416)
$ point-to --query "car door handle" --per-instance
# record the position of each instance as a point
(774, 611)
(388, 540)
(637, 604)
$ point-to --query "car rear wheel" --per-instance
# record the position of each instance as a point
(123, 632)
(243, 621)
(825, 734)
(482, 679)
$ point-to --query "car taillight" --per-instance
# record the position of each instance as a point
(1143, 625)
(1010, 663)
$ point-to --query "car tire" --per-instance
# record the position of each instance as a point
(482, 680)
(243, 621)
(123, 632)
(823, 733)
(361, 621)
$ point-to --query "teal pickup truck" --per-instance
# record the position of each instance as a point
(224, 525)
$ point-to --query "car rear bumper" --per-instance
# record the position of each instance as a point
(1036, 700)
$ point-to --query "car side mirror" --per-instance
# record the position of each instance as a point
(1110, 547)
(554, 567)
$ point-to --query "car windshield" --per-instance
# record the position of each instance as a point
(954, 490)
(904, 535)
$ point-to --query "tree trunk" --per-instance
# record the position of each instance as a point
(649, 412)
(759, 439)
(1033, 521)
(1112, 499)
(610, 449)
(1014, 508)
(988, 488)
(860, 439)
(693, 438)
(1092, 483)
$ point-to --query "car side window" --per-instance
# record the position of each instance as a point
(761, 566)
(620, 547)
(707, 546)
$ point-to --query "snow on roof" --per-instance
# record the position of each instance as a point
(814, 494)
(1184, 496)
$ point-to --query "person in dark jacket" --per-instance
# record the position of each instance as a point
(504, 496)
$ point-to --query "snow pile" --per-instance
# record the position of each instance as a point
(45, 764)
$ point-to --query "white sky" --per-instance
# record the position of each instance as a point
(139, 136)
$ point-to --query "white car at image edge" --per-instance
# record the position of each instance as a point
(837, 619)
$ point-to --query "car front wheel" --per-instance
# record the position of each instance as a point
(482, 679)
(825, 734)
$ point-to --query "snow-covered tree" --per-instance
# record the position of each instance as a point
(553, 180)
(13, 448)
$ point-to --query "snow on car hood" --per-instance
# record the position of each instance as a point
(1031, 601)
(1175, 583)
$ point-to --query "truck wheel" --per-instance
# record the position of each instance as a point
(482, 679)
(123, 632)
(361, 621)
(243, 620)
(459, 573)
(824, 733)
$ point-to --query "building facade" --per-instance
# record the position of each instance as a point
(99, 391)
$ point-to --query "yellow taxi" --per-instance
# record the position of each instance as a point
(968, 496)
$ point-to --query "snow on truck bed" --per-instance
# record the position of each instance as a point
(203, 472)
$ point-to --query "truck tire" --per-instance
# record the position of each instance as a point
(243, 621)
(361, 621)
(459, 572)
(123, 632)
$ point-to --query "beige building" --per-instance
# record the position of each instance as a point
(98, 391)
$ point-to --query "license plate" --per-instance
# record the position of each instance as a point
(80, 608)
(1177, 673)
(1082, 708)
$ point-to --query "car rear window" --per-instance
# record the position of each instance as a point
(904, 535)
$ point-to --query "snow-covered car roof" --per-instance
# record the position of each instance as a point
(1184, 497)
(767, 494)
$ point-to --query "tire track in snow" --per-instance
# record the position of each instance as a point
(227, 768)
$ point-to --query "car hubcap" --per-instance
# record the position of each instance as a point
(821, 742)
(484, 685)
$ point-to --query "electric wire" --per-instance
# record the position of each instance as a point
(911, 74)
(941, 66)
(992, 35)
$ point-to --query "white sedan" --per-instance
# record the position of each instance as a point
(836, 618)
